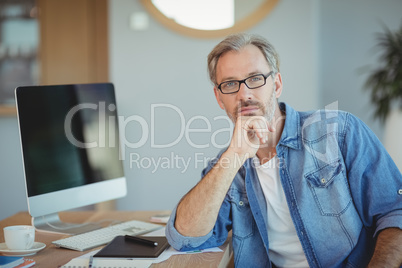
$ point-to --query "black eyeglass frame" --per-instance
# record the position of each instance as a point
(244, 81)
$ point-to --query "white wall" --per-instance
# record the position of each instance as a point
(347, 51)
(321, 43)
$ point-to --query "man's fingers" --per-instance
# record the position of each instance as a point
(271, 128)
(257, 126)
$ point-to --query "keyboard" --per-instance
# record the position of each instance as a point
(104, 235)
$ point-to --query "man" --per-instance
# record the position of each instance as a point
(297, 189)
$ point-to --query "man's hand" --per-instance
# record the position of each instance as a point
(250, 133)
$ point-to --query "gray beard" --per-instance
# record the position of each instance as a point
(268, 110)
(269, 115)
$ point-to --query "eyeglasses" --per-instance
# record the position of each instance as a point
(254, 81)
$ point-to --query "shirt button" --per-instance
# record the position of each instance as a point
(400, 191)
(241, 203)
(323, 181)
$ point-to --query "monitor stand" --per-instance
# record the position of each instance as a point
(52, 223)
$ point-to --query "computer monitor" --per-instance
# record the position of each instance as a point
(71, 151)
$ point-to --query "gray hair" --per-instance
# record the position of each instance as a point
(236, 42)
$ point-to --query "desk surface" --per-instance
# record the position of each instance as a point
(52, 256)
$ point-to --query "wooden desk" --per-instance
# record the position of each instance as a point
(53, 257)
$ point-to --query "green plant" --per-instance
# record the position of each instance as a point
(385, 83)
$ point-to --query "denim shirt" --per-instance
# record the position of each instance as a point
(341, 188)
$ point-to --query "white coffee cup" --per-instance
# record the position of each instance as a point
(19, 237)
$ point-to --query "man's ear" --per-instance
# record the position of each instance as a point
(278, 85)
(218, 98)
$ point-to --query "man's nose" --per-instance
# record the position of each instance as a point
(244, 92)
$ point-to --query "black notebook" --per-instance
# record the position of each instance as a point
(119, 247)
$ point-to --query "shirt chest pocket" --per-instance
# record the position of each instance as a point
(330, 189)
(242, 218)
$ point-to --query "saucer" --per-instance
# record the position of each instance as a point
(37, 246)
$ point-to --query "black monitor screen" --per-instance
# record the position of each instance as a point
(69, 135)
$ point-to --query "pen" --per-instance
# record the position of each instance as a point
(141, 240)
(90, 261)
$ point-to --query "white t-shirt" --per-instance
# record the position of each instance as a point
(285, 249)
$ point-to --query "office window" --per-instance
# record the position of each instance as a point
(199, 14)
(19, 39)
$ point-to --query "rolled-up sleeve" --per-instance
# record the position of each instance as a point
(180, 242)
(392, 219)
(216, 237)
(375, 180)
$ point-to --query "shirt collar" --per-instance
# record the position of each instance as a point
(291, 136)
